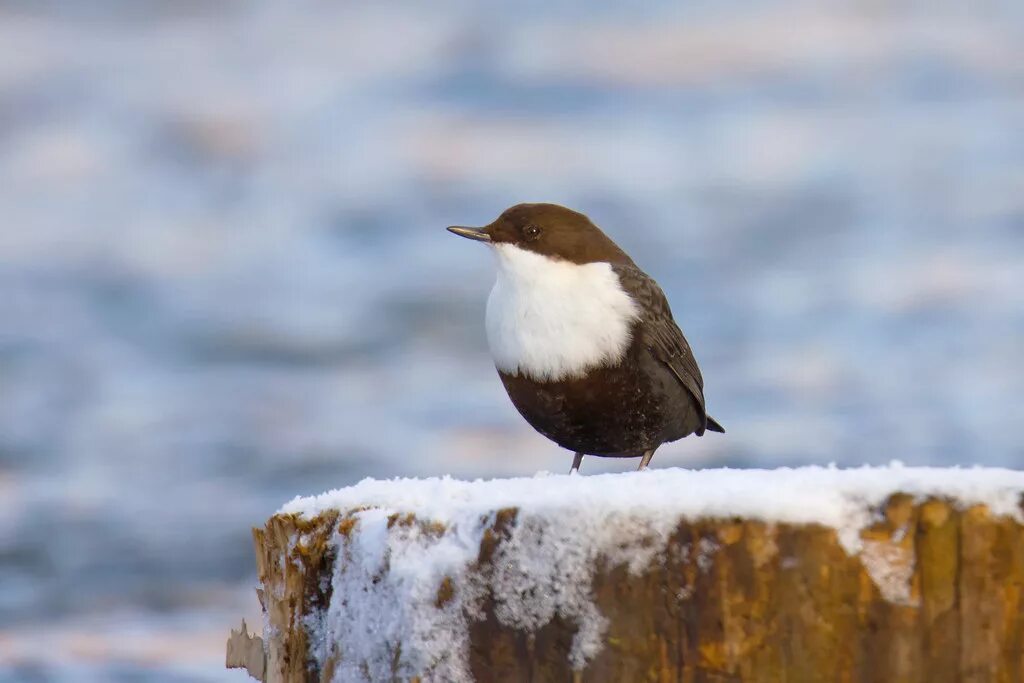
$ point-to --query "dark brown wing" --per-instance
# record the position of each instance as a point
(660, 334)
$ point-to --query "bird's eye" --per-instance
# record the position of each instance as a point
(531, 232)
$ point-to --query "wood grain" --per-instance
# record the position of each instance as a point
(935, 596)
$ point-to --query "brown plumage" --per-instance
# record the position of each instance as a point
(645, 391)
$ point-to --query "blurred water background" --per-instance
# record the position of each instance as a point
(225, 281)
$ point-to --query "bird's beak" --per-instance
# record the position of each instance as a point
(478, 234)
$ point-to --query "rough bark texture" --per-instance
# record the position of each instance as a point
(935, 597)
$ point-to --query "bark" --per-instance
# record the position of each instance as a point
(935, 596)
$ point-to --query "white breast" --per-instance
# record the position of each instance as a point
(550, 319)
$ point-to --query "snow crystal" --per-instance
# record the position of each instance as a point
(404, 596)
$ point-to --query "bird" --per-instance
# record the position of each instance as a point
(584, 341)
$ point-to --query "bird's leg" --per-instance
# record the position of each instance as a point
(577, 460)
(646, 460)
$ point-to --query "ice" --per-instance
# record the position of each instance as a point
(387, 610)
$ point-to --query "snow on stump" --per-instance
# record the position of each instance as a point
(815, 574)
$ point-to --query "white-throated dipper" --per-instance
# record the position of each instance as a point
(584, 341)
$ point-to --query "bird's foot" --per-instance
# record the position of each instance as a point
(645, 460)
(577, 460)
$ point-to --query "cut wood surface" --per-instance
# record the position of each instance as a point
(921, 584)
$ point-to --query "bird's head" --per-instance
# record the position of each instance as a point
(550, 230)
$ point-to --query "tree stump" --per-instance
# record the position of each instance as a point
(888, 575)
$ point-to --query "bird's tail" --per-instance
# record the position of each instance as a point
(713, 426)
